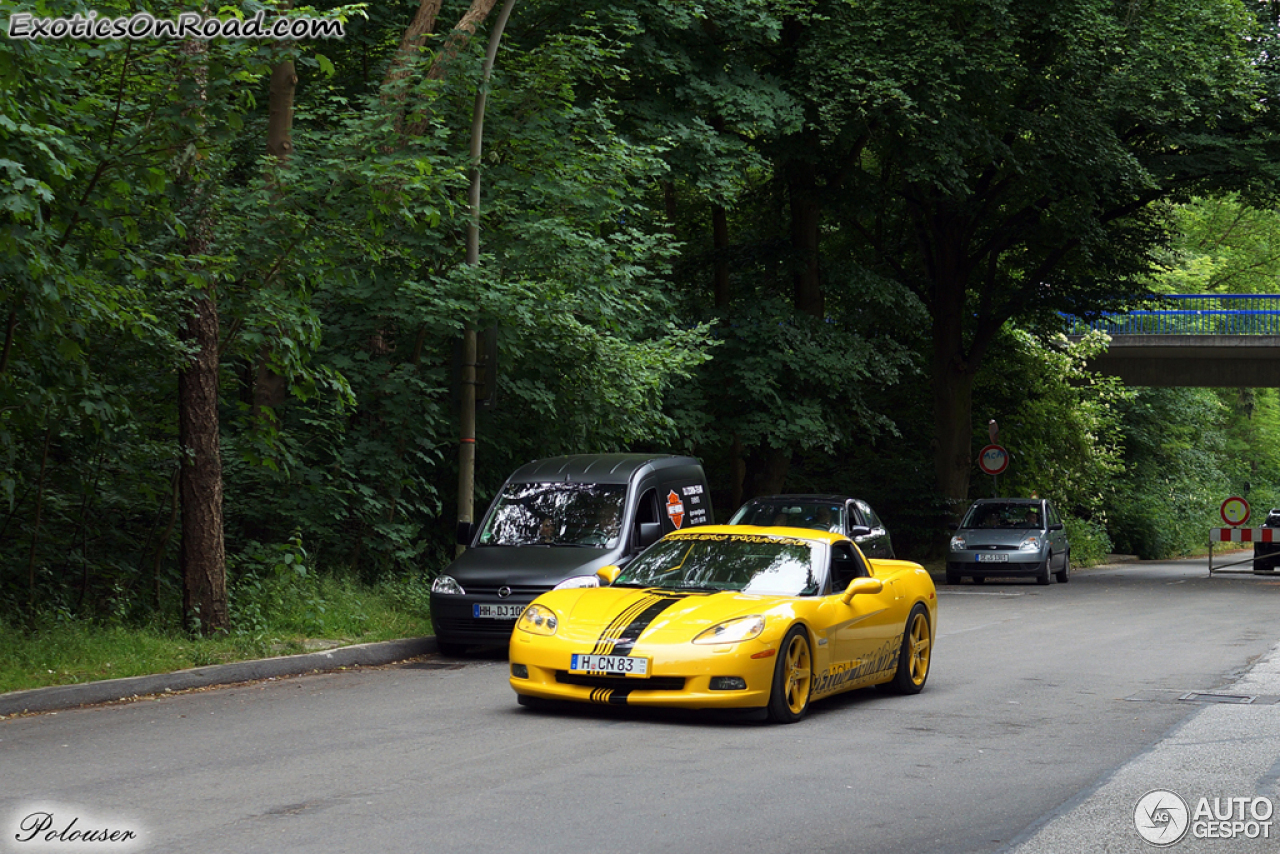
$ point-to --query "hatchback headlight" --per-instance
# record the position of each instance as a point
(958, 543)
(448, 585)
(732, 631)
(1030, 543)
(538, 620)
(578, 581)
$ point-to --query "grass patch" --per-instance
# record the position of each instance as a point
(278, 617)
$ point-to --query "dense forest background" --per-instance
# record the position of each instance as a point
(817, 243)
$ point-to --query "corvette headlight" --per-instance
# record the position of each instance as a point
(743, 628)
(447, 585)
(538, 620)
(578, 581)
(957, 543)
(1030, 544)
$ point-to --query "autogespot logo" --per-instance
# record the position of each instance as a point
(1161, 817)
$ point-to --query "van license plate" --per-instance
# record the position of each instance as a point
(497, 612)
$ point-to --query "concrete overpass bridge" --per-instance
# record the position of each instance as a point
(1206, 340)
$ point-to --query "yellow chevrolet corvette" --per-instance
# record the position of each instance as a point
(731, 617)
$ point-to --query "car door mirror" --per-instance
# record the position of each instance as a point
(608, 574)
(650, 533)
(859, 530)
(861, 586)
(1056, 526)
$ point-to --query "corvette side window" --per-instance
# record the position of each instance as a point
(846, 565)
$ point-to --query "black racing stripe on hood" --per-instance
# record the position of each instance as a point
(626, 639)
(618, 624)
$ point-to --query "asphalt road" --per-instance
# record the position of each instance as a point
(1040, 698)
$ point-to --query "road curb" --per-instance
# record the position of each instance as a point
(110, 690)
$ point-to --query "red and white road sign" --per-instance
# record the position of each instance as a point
(1235, 510)
(993, 459)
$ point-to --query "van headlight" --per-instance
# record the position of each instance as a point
(447, 585)
(957, 543)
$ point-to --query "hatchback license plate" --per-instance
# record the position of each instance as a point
(994, 558)
(614, 665)
(497, 612)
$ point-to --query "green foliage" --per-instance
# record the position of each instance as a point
(1177, 472)
(1060, 422)
(991, 163)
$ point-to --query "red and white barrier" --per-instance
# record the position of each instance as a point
(1244, 535)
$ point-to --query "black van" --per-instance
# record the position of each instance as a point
(553, 524)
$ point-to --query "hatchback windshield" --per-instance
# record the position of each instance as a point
(822, 515)
(553, 514)
(778, 566)
(1019, 516)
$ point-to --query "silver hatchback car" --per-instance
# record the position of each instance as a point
(1008, 537)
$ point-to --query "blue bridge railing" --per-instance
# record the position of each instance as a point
(1193, 314)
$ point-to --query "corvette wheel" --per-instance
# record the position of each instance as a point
(916, 653)
(792, 678)
(1064, 575)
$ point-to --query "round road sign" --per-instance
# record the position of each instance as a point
(993, 459)
(1235, 511)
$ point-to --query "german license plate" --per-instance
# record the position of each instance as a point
(497, 612)
(993, 558)
(613, 665)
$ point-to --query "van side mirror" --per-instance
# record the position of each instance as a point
(861, 586)
(466, 532)
(608, 574)
(859, 531)
(650, 533)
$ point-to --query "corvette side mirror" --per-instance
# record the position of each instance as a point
(608, 574)
(860, 586)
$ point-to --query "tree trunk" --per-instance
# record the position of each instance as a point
(766, 471)
(422, 25)
(720, 252)
(202, 555)
(270, 388)
(457, 40)
(805, 217)
(953, 374)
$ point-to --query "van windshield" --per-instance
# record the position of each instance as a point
(556, 514)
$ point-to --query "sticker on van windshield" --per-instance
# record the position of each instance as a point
(675, 509)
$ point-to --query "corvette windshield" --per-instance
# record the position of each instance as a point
(556, 514)
(776, 566)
